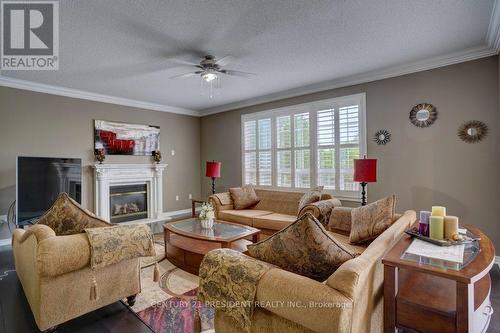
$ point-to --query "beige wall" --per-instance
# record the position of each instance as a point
(423, 167)
(35, 124)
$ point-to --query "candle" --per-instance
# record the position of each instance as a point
(436, 227)
(423, 229)
(438, 211)
(424, 216)
(450, 226)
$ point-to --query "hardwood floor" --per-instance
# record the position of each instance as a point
(16, 317)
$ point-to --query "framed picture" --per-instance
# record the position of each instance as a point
(126, 139)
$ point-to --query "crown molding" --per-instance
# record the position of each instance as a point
(6, 81)
(388, 72)
(493, 35)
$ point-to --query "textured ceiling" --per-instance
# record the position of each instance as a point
(122, 48)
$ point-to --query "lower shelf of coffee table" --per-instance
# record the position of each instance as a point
(187, 253)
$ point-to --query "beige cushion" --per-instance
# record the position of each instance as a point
(304, 248)
(309, 197)
(67, 217)
(344, 240)
(244, 197)
(278, 201)
(224, 198)
(242, 216)
(273, 221)
(340, 219)
(367, 222)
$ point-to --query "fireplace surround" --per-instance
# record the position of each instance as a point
(125, 193)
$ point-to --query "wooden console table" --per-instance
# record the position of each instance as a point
(425, 297)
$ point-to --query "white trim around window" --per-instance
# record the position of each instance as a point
(301, 155)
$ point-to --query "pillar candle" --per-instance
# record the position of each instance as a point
(438, 211)
(436, 227)
(424, 216)
(450, 226)
(423, 229)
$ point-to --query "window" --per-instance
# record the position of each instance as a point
(305, 145)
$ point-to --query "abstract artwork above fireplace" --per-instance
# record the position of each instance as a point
(126, 139)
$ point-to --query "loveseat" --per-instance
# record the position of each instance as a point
(349, 301)
(275, 210)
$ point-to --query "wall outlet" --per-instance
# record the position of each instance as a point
(172, 152)
(3, 218)
(190, 196)
(176, 198)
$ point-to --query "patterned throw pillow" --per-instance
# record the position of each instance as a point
(244, 197)
(368, 222)
(304, 248)
(309, 197)
(67, 217)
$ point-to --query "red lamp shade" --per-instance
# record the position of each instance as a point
(213, 169)
(365, 170)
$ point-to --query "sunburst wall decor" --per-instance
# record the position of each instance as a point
(423, 115)
(382, 137)
(472, 131)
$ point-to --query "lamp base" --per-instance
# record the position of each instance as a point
(213, 185)
(363, 193)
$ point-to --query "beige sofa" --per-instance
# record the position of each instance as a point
(56, 276)
(276, 209)
(349, 301)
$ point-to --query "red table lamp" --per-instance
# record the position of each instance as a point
(365, 171)
(213, 171)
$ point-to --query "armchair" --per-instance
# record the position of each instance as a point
(55, 272)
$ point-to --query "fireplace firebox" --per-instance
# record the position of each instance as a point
(128, 202)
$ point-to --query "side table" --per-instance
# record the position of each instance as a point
(193, 206)
(431, 295)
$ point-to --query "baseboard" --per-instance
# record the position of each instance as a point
(177, 213)
(5, 242)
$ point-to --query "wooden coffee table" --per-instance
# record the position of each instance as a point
(186, 242)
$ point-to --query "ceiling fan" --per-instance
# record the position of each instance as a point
(210, 69)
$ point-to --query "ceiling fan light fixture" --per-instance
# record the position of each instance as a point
(208, 77)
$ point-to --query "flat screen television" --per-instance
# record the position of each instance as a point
(40, 180)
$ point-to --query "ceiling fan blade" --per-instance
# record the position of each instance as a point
(183, 62)
(237, 73)
(225, 60)
(186, 75)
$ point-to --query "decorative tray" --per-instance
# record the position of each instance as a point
(413, 232)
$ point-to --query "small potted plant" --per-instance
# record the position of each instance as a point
(207, 215)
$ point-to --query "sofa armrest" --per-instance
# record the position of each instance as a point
(321, 209)
(63, 254)
(39, 231)
(220, 202)
(340, 219)
(304, 301)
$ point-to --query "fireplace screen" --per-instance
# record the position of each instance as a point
(128, 203)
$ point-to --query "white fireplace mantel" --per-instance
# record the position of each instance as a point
(106, 175)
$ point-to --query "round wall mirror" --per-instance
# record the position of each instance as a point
(382, 137)
(472, 131)
(423, 115)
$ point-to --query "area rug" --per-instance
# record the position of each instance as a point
(170, 306)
